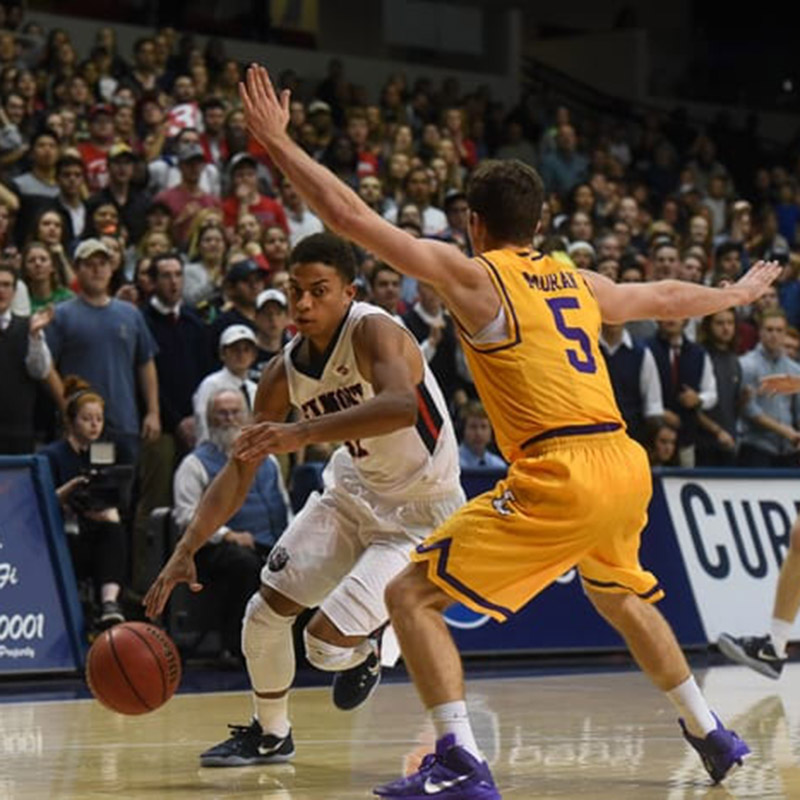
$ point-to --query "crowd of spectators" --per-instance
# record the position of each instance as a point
(147, 234)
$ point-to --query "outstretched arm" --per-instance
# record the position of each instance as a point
(343, 211)
(221, 500)
(390, 360)
(621, 302)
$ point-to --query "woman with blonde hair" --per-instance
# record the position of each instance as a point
(202, 276)
(202, 219)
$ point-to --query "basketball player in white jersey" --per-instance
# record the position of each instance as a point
(357, 376)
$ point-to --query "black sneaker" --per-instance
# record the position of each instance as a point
(352, 687)
(756, 652)
(248, 745)
(110, 615)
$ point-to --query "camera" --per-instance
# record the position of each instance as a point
(108, 483)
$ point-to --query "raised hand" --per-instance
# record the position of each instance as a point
(41, 319)
(267, 115)
(758, 279)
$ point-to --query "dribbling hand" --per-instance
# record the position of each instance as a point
(179, 569)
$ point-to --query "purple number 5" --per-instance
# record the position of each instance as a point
(583, 362)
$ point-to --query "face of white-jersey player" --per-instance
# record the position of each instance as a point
(319, 296)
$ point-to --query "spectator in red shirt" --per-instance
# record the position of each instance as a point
(246, 199)
(187, 198)
(95, 152)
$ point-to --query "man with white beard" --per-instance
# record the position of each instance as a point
(233, 556)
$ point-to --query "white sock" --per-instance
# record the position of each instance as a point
(780, 632)
(453, 718)
(692, 706)
(273, 714)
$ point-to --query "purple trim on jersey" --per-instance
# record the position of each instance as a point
(441, 570)
(515, 337)
(573, 430)
(614, 585)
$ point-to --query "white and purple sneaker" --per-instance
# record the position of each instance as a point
(450, 773)
(722, 751)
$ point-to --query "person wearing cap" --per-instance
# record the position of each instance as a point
(107, 342)
(272, 322)
(245, 198)
(242, 284)
(237, 351)
(164, 168)
(582, 254)
(187, 198)
(95, 152)
(131, 202)
(321, 119)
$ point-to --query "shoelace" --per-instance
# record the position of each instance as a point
(428, 763)
(240, 731)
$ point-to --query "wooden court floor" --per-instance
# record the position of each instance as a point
(604, 736)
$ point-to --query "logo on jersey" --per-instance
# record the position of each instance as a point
(502, 504)
(333, 401)
(342, 370)
(278, 559)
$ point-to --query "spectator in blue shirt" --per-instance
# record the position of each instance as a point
(107, 342)
(473, 452)
(770, 423)
(564, 168)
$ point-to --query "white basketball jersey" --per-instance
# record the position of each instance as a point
(420, 460)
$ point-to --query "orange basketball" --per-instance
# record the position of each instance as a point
(133, 668)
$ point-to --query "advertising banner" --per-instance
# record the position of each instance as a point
(733, 533)
(39, 610)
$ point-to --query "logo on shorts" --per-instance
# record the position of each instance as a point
(278, 559)
(502, 504)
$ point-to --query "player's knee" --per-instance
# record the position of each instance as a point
(397, 595)
(262, 627)
(614, 607)
(332, 658)
(411, 592)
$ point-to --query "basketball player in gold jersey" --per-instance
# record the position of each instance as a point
(578, 487)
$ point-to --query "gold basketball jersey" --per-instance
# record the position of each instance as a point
(548, 376)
